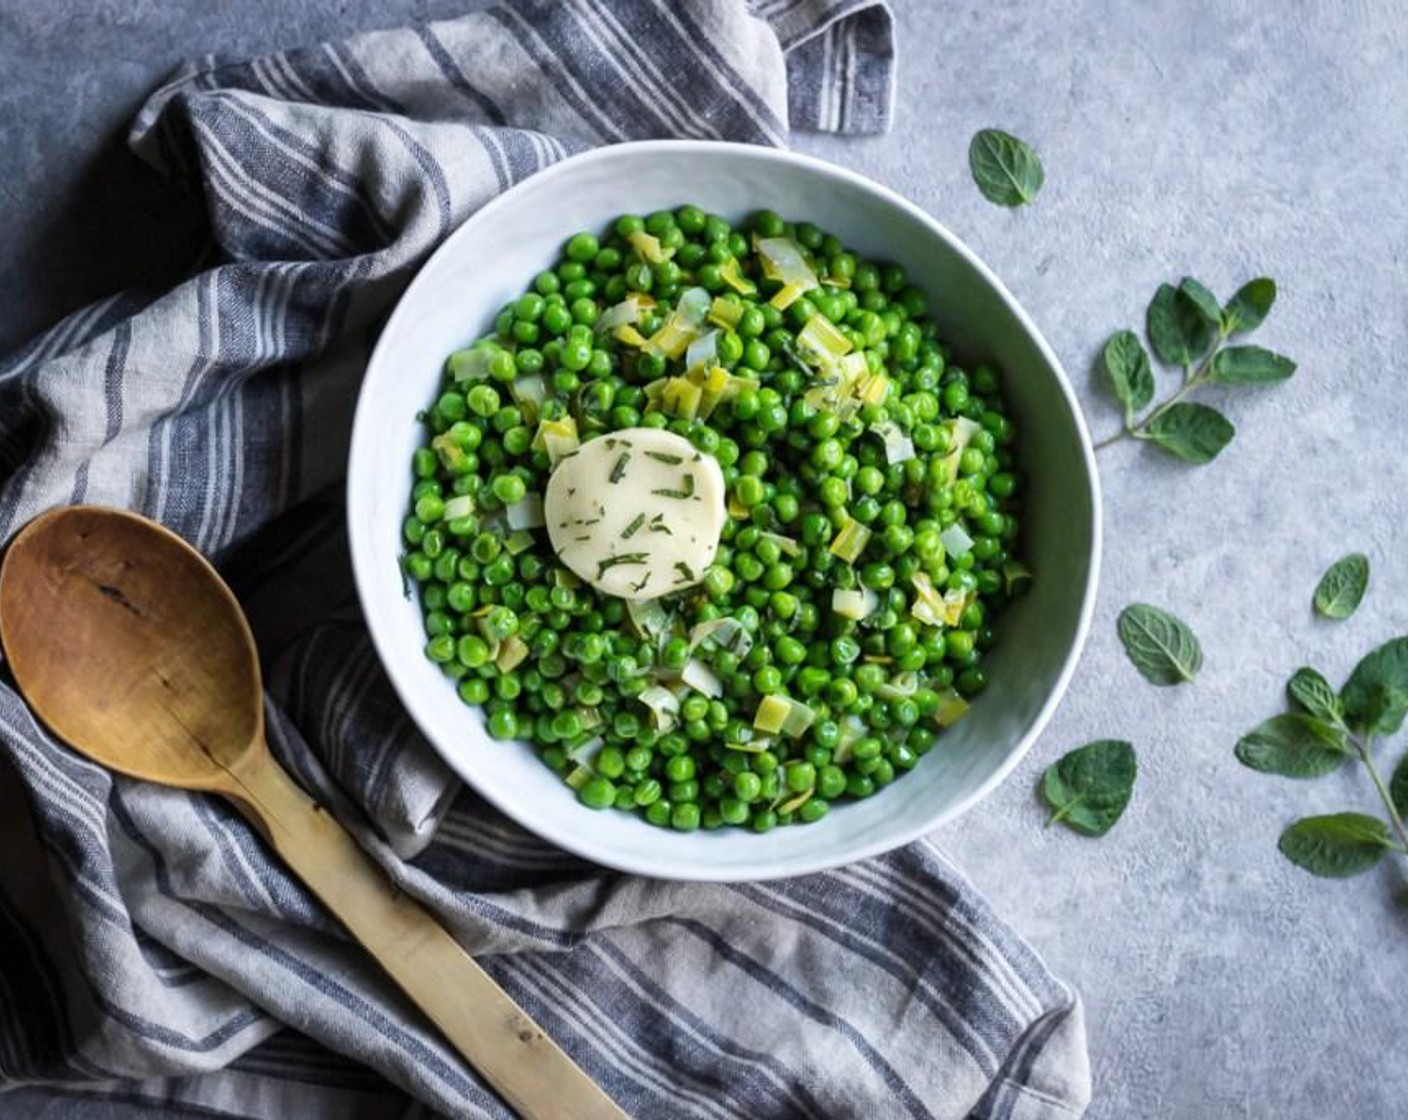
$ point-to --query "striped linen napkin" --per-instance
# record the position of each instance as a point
(153, 959)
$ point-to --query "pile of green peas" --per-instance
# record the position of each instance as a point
(795, 473)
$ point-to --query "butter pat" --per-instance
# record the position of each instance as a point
(636, 513)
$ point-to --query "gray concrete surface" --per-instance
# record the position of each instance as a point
(1220, 139)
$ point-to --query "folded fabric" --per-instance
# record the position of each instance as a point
(152, 955)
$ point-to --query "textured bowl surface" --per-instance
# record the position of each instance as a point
(492, 258)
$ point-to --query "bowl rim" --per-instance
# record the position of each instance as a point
(579, 841)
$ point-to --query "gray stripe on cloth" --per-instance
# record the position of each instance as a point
(151, 951)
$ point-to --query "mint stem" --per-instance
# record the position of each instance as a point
(1366, 755)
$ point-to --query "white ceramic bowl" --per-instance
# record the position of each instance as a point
(491, 259)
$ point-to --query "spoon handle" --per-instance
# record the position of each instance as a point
(508, 1049)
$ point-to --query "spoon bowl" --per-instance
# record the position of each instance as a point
(130, 647)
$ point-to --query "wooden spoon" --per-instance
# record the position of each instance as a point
(133, 650)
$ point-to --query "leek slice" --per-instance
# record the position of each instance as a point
(724, 633)
(649, 617)
(820, 343)
(899, 447)
(702, 351)
(955, 540)
(664, 707)
(951, 708)
(513, 651)
(526, 514)
(850, 542)
(471, 364)
(856, 603)
(733, 276)
(461, 505)
(782, 714)
(649, 248)
(725, 312)
(622, 314)
(702, 679)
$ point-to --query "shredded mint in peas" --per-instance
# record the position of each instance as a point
(596, 686)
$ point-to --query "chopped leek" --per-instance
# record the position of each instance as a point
(792, 804)
(799, 718)
(928, 605)
(513, 651)
(732, 275)
(856, 603)
(649, 617)
(620, 314)
(590, 717)
(681, 398)
(450, 454)
(951, 708)
(899, 686)
(786, 545)
(956, 542)
(683, 325)
(580, 776)
(585, 750)
(526, 514)
(725, 312)
(471, 364)
(702, 679)
(898, 446)
(820, 343)
(558, 438)
(771, 714)
(518, 542)
(784, 261)
(461, 505)
(649, 248)
(664, 707)
(531, 388)
(850, 542)
(961, 431)
(724, 633)
(630, 336)
(702, 351)
(782, 714)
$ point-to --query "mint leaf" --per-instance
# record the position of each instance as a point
(1250, 365)
(1313, 693)
(1294, 746)
(1178, 330)
(1250, 306)
(1193, 432)
(1335, 846)
(1342, 587)
(1375, 697)
(1398, 787)
(1089, 787)
(1006, 169)
(1202, 299)
(1162, 648)
(1128, 364)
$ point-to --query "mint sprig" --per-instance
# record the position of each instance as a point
(1324, 731)
(1188, 329)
